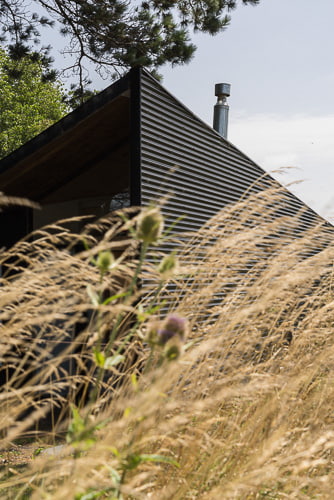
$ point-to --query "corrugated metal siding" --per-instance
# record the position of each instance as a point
(203, 173)
(184, 157)
(208, 173)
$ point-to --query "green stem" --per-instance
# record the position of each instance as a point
(135, 326)
(121, 316)
(95, 390)
(121, 483)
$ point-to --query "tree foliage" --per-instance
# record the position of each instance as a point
(29, 100)
(116, 34)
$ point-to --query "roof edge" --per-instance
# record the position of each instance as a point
(69, 121)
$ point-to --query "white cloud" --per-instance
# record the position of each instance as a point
(303, 142)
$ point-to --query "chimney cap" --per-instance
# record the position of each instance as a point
(223, 89)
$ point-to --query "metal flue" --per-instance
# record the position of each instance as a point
(220, 115)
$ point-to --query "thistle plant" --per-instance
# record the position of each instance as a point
(168, 267)
(109, 355)
(247, 411)
(105, 262)
(168, 335)
(150, 226)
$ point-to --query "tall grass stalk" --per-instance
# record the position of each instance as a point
(247, 409)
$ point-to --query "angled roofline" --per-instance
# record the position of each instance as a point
(229, 144)
(130, 82)
(205, 124)
(69, 121)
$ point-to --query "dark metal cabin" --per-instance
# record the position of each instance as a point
(129, 145)
(132, 143)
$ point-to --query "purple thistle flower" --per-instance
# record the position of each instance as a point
(164, 336)
(173, 326)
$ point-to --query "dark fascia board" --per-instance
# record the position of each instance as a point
(135, 137)
(69, 121)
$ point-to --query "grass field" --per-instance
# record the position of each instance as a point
(212, 380)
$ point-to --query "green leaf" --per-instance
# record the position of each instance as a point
(134, 460)
(115, 297)
(114, 360)
(92, 495)
(93, 296)
(134, 381)
(115, 451)
(76, 427)
(142, 315)
(99, 358)
(159, 459)
(115, 475)
(131, 462)
(79, 434)
(38, 451)
(189, 344)
(127, 412)
(29, 104)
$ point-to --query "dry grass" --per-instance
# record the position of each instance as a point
(247, 411)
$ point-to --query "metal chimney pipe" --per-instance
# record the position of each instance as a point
(220, 114)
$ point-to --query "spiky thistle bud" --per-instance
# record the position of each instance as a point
(169, 266)
(173, 348)
(152, 332)
(150, 225)
(105, 261)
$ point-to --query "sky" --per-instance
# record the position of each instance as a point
(278, 58)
